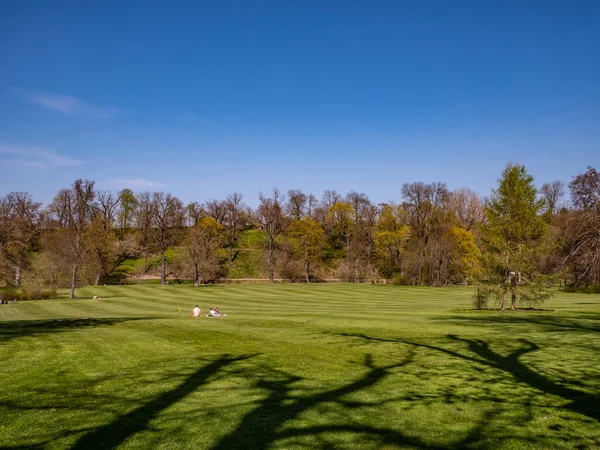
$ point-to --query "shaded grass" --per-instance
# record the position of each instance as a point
(297, 366)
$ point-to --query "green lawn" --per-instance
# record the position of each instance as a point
(297, 366)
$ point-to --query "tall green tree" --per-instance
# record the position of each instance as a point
(127, 205)
(514, 239)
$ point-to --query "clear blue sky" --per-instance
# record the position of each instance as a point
(202, 99)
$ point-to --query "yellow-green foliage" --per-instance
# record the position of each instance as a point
(467, 256)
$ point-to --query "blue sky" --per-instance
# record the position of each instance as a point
(202, 99)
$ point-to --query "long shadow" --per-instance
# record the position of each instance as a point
(262, 427)
(579, 401)
(26, 328)
(586, 322)
(115, 433)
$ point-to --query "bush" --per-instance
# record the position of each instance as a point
(398, 280)
(10, 293)
(480, 298)
(583, 288)
(32, 292)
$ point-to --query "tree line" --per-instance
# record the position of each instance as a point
(431, 236)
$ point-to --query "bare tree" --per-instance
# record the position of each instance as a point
(106, 208)
(370, 217)
(59, 208)
(296, 205)
(585, 190)
(416, 203)
(362, 236)
(234, 221)
(552, 193)
(20, 225)
(468, 208)
(169, 217)
(340, 219)
(203, 242)
(272, 221)
(216, 209)
(76, 205)
(330, 198)
(101, 239)
(144, 220)
(194, 212)
(311, 205)
(583, 231)
(424, 202)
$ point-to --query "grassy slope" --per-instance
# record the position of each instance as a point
(297, 366)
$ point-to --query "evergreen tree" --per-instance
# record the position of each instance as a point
(514, 240)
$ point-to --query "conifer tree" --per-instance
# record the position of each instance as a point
(514, 240)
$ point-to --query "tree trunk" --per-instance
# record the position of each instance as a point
(306, 267)
(73, 281)
(196, 275)
(271, 269)
(163, 278)
(270, 260)
(18, 276)
(513, 300)
(98, 276)
(503, 301)
(347, 257)
(419, 262)
(232, 255)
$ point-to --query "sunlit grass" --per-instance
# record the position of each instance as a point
(297, 366)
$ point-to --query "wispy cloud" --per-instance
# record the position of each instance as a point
(39, 157)
(139, 183)
(72, 106)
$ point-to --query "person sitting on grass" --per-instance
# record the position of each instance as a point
(196, 311)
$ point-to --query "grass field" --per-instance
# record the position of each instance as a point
(297, 366)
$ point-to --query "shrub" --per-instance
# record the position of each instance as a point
(480, 298)
(583, 288)
(31, 292)
(398, 280)
(10, 293)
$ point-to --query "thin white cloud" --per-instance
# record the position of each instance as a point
(72, 106)
(37, 157)
(139, 183)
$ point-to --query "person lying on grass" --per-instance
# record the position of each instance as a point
(214, 312)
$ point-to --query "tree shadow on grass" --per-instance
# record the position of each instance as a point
(271, 422)
(27, 328)
(268, 422)
(120, 429)
(579, 322)
(480, 353)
